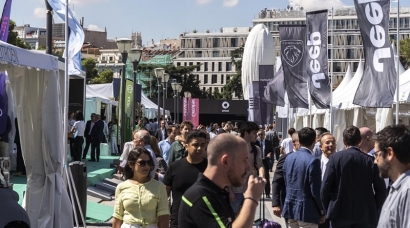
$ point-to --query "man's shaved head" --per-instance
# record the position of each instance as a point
(223, 144)
(367, 143)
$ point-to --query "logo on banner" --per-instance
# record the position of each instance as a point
(129, 88)
(225, 106)
(1, 112)
(292, 51)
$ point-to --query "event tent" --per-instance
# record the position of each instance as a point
(35, 87)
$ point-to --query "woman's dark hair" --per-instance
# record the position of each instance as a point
(132, 159)
(79, 116)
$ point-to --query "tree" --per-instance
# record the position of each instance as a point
(217, 95)
(14, 39)
(106, 76)
(234, 85)
(405, 52)
(90, 69)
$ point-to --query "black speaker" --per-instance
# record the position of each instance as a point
(79, 172)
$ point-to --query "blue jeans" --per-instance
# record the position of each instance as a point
(236, 206)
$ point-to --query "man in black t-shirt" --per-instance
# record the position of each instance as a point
(206, 203)
(183, 173)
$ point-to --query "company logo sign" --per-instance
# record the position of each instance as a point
(225, 106)
(129, 88)
(292, 51)
(8, 54)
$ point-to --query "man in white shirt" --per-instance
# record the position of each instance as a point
(287, 145)
(328, 147)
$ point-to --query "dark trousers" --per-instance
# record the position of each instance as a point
(77, 145)
(87, 145)
(277, 153)
(20, 161)
(95, 148)
(266, 166)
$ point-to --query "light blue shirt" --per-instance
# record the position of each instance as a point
(165, 146)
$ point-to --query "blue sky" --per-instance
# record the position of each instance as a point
(161, 19)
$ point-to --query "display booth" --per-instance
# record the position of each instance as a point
(34, 86)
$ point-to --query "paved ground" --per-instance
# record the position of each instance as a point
(267, 203)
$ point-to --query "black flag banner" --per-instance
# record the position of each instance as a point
(265, 75)
(275, 89)
(378, 84)
(316, 58)
(292, 45)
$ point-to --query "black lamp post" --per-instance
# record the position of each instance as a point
(124, 46)
(135, 57)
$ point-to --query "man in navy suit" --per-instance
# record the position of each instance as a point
(97, 134)
(87, 134)
(352, 190)
(301, 170)
(267, 152)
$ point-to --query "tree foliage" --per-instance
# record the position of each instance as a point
(90, 69)
(234, 85)
(181, 74)
(14, 39)
(217, 95)
(405, 52)
(106, 76)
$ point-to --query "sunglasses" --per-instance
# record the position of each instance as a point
(143, 163)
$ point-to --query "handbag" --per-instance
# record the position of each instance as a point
(72, 135)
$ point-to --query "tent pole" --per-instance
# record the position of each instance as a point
(331, 80)
(398, 62)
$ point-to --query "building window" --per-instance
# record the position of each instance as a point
(215, 53)
(213, 66)
(111, 58)
(228, 66)
(178, 64)
(216, 42)
(103, 58)
(234, 42)
(214, 78)
(198, 66)
(219, 66)
(197, 77)
(210, 90)
(198, 43)
(184, 63)
(198, 54)
(203, 89)
(205, 79)
(206, 67)
(222, 79)
(228, 78)
(191, 63)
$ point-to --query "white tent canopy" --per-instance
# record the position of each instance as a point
(105, 94)
(34, 83)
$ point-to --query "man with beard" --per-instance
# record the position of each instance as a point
(206, 203)
(183, 173)
(352, 191)
(392, 156)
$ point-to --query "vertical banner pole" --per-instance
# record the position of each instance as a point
(331, 79)
(398, 62)
(310, 105)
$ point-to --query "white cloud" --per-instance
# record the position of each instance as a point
(94, 27)
(40, 12)
(230, 3)
(203, 2)
(319, 4)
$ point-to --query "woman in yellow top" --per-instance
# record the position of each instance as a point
(140, 202)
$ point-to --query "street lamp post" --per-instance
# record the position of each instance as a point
(179, 89)
(174, 88)
(135, 57)
(124, 46)
(159, 73)
(165, 81)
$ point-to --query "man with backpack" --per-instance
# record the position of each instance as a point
(248, 132)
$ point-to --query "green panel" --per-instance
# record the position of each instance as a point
(128, 104)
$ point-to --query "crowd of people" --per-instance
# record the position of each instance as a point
(215, 176)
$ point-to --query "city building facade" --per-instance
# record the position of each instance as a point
(346, 40)
(212, 52)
